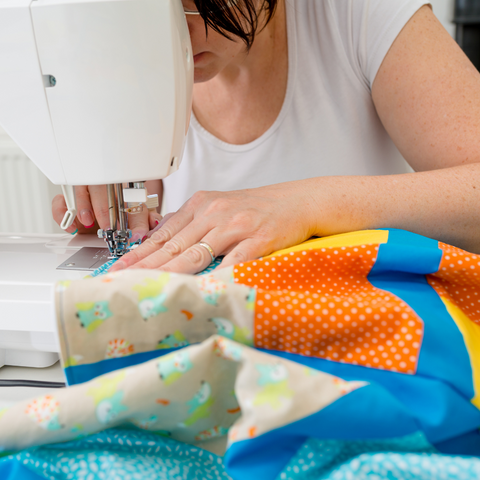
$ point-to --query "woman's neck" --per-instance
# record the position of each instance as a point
(242, 101)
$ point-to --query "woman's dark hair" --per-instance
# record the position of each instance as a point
(236, 18)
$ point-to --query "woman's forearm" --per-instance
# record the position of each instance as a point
(441, 204)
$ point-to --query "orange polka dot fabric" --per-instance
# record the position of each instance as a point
(458, 280)
(320, 303)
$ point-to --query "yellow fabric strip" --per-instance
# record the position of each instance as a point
(471, 336)
(352, 239)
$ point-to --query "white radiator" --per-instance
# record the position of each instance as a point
(25, 193)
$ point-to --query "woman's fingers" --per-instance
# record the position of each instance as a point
(99, 202)
(138, 224)
(154, 220)
(193, 260)
(84, 206)
(182, 253)
(160, 224)
(245, 251)
(186, 254)
(168, 229)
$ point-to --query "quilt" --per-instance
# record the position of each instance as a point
(362, 347)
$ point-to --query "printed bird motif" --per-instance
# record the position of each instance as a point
(176, 340)
(227, 329)
(92, 314)
(228, 350)
(108, 398)
(118, 348)
(274, 380)
(172, 366)
(199, 405)
(151, 296)
(211, 289)
(44, 411)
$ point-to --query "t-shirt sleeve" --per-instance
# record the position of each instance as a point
(368, 29)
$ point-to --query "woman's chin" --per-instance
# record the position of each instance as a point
(202, 75)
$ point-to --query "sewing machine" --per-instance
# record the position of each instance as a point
(94, 92)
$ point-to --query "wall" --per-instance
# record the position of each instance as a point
(443, 9)
(25, 193)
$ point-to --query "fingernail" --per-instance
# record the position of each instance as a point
(157, 221)
(87, 217)
(90, 226)
(73, 233)
(144, 238)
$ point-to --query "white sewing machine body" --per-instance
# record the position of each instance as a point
(28, 275)
(94, 92)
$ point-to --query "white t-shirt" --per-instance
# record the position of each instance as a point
(328, 124)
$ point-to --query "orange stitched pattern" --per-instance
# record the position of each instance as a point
(319, 303)
(458, 280)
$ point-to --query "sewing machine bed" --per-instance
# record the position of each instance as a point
(28, 274)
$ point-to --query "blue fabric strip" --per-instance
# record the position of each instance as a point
(439, 410)
(400, 268)
(84, 373)
(346, 419)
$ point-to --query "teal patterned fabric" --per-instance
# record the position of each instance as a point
(213, 266)
(123, 455)
(106, 266)
(126, 454)
(321, 459)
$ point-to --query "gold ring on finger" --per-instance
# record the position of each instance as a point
(209, 249)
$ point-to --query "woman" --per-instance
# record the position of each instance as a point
(302, 112)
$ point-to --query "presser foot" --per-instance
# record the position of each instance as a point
(118, 241)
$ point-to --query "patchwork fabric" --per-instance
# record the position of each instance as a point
(340, 355)
(194, 394)
(458, 280)
(341, 316)
(142, 314)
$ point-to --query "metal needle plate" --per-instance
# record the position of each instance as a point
(87, 259)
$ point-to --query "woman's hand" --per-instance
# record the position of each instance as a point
(242, 225)
(92, 207)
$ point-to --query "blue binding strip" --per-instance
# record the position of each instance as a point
(267, 455)
(439, 410)
(83, 373)
(400, 268)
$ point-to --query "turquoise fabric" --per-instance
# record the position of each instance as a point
(392, 466)
(126, 454)
(103, 268)
(117, 454)
(323, 459)
(213, 266)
